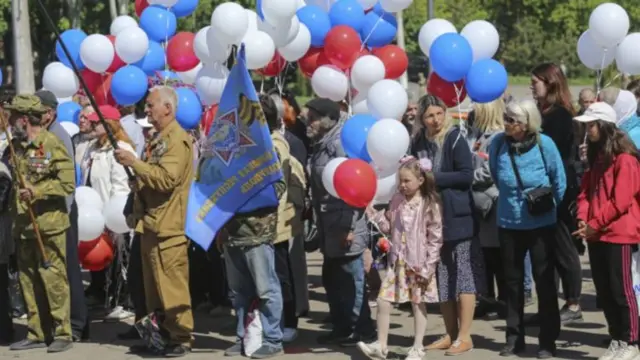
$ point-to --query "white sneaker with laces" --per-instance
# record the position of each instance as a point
(627, 352)
(611, 352)
(415, 354)
(372, 351)
(288, 335)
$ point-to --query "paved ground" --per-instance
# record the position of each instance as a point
(215, 334)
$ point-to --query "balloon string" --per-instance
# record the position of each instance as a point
(262, 84)
(612, 80)
(364, 42)
(349, 95)
(463, 127)
(599, 73)
(166, 58)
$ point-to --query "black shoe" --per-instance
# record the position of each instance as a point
(176, 351)
(528, 299)
(27, 344)
(568, 316)
(531, 320)
(7, 337)
(353, 339)
(140, 349)
(512, 349)
(235, 350)
(546, 352)
(131, 334)
(267, 351)
(59, 345)
(331, 338)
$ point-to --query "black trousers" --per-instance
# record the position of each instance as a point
(514, 245)
(79, 313)
(567, 259)
(285, 275)
(611, 272)
(135, 280)
(6, 324)
(494, 271)
(207, 277)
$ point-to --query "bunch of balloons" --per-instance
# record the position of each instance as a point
(607, 39)
(462, 63)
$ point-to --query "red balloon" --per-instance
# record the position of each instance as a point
(180, 53)
(207, 119)
(102, 94)
(140, 6)
(100, 256)
(313, 59)
(395, 60)
(342, 46)
(84, 247)
(274, 67)
(92, 79)
(117, 63)
(446, 90)
(355, 182)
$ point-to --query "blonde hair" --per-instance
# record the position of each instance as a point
(424, 104)
(118, 132)
(489, 116)
(526, 112)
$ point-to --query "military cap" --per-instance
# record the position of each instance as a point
(26, 104)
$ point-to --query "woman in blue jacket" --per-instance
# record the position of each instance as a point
(528, 170)
(460, 272)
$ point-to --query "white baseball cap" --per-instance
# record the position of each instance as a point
(598, 111)
(144, 122)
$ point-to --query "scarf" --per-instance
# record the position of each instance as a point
(521, 147)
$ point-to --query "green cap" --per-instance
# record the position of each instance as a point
(26, 104)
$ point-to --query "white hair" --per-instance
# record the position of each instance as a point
(525, 112)
(167, 95)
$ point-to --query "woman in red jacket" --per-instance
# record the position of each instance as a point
(609, 219)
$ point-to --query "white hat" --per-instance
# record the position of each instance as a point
(598, 111)
(144, 122)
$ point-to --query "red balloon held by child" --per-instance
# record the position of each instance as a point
(446, 90)
(355, 182)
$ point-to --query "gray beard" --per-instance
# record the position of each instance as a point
(18, 134)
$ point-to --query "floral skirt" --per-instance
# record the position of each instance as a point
(401, 285)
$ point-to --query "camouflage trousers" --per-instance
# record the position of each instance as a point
(45, 287)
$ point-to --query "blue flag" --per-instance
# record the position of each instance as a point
(239, 165)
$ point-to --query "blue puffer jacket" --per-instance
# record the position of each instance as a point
(632, 128)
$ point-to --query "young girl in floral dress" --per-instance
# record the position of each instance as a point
(415, 224)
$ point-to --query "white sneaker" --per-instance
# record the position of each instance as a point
(118, 313)
(372, 351)
(610, 354)
(415, 354)
(288, 335)
(627, 352)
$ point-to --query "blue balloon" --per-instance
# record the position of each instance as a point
(189, 109)
(486, 81)
(378, 30)
(317, 21)
(159, 23)
(451, 56)
(1, 77)
(72, 39)
(78, 175)
(154, 59)
(165, 75)
(184, 7)
(69, 111)
(259, 9)
(354, 136)
(347, 12)
(129, 85)
(377, 8)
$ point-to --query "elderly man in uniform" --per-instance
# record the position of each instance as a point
(163, 181)
(48, 171)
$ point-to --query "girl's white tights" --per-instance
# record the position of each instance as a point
(384, 318)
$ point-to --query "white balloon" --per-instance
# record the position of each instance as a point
(430, 31)
(253, 21)
(276, 11)
(366, 71)
(114, 214)
(330, 82)
(165, 3)
(230, 22)
(90, 223)
(393, 6)
(200, 45)
(189, 77)
(593, 55)
(627, 57)
(282, 33)
(387, 187)
(368, 4)
(210, 82)
(483, 38)
(387, 142)
(60, 80)
(297, 48)
(218, 50)
(609, 24)
(86, 196)
(359, 104)
(120, 23)
(97, 53)
(71, 128)
(387, 99)
(259, 48)
(132, 45)
(327, 175)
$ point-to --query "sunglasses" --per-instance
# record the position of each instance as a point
(508, 120)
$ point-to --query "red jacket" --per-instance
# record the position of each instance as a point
(608, 200)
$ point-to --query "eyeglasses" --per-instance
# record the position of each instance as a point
(508, 120)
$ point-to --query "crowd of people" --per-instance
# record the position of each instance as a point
(485, 209)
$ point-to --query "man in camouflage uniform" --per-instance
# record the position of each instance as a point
(49, 175)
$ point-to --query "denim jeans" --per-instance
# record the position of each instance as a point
(252, 276)
(344, 281)
(528, 276)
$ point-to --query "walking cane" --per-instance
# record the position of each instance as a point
(14, 159)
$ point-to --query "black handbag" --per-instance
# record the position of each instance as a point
(539, 200)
